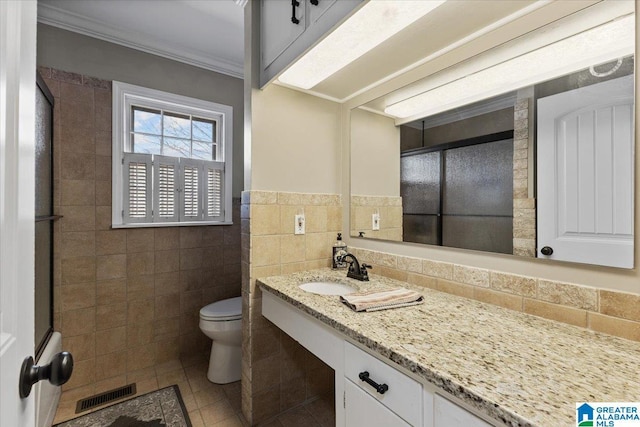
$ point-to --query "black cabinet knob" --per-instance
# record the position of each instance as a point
(546, 251)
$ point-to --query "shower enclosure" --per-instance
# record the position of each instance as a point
(460, 194)
(44, 218)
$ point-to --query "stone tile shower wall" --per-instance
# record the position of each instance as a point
(524, 207)
(124, 299)
(390, 210)
(278, 373)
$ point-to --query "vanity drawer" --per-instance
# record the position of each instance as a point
(404, 394)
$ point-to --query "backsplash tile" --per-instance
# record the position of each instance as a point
(442, 270)
(413, 265)
(502, 299)
(471, 275)
(568, 294)
(561, 313)
(618, 304)
(519, 285)
(614, 326)
(611, 312)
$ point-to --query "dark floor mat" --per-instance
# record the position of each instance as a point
(156, 409)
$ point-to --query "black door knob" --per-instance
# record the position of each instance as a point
(546, 251)
(58, 372)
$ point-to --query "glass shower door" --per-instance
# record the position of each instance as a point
(44, 218)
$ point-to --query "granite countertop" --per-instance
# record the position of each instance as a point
(515, 368)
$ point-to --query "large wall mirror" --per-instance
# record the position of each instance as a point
(525, 149)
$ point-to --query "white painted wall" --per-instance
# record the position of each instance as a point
(375, 147)
(295, 142)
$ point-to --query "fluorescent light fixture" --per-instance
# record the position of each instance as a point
(595, 46)
(375, 22)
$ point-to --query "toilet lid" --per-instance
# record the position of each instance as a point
(227, 309)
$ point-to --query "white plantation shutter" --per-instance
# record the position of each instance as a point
(191, 189)
(213, 194)
(137, 187)
(153, 185)
(165, 184)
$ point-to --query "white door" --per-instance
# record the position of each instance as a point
(17, 136)
(585, 174)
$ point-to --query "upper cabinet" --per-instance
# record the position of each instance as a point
(289, 27)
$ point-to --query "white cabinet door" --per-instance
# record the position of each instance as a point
(317, 8)
(277, 31)
(282, 42)
(585, 174)
(403, 395)
(447, 414)
(363, 410)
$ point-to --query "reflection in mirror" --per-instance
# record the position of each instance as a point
(466, 175)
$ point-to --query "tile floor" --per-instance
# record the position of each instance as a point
(208, 404)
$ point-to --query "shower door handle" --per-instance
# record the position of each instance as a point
(58, 372)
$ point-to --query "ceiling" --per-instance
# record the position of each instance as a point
(206, 34)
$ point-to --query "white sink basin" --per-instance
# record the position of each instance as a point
(327, 288)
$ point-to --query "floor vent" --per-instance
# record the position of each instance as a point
(106, 397)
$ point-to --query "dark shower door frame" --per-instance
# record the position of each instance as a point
(41, 342)
(441, 149)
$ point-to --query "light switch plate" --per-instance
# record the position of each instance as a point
(375, 221)
(299, 225)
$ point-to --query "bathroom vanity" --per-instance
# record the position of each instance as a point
(450, 361)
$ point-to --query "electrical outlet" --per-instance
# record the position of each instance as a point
(375, 221)
(299, 225)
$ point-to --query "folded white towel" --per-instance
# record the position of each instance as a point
(382, 300)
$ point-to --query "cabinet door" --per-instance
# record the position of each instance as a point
(363, 410)
(317, 9)
(448, 414)
(277, 31)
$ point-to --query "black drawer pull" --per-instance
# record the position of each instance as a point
(380, 388)
(294, 4)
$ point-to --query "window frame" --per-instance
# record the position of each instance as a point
(125, 97)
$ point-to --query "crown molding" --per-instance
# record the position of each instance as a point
(56, 17)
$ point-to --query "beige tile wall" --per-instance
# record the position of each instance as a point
(390, 210)
(277, 373)
(614, 313)
(124, 300)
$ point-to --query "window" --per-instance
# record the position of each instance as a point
(171, 159)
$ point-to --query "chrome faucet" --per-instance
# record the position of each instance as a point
(356, 270)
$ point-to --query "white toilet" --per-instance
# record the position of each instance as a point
(222, 322)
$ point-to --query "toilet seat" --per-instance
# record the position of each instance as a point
(225, 310)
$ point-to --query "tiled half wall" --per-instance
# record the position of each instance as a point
(125, 300)
(278, 373)
(390, 210)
